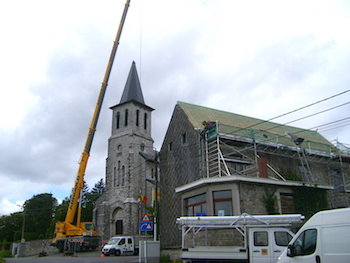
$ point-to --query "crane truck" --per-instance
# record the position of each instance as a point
(79, 235)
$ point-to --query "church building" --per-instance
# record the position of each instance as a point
(128, 193)
(212, 162)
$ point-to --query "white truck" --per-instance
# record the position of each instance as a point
(245, 238)
(324, 238)
(120, 245)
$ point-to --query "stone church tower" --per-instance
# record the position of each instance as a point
(119, 210)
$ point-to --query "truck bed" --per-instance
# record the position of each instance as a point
(231, 253)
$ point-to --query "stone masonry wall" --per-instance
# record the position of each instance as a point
(33, 248)
(179, 165)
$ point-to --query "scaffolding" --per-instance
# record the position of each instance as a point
(232, 150)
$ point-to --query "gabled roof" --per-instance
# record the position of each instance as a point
(252, 128)
(132, 90)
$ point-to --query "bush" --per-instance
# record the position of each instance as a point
(269, 199)
(164, 258)
(5, 254)
(309, 200)
(5, 245)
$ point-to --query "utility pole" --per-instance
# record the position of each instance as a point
(155, 182)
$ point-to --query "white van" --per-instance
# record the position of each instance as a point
(120, 245)
(324, 238)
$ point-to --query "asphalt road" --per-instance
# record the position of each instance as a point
(81, 257)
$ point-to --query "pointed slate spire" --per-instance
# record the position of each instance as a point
(132, 90)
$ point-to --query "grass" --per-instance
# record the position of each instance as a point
(5, 254)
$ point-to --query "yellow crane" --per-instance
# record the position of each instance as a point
(69, 236)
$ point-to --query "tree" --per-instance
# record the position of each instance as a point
(41, 213)
(38, 213)
(90, 198)
(61, 210)
(11, 227)
(99, 188)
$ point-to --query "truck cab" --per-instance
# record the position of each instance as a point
(267, 244)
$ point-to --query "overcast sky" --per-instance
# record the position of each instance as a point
(256, 58)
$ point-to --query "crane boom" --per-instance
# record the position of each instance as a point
(79, 182)
(66, 229)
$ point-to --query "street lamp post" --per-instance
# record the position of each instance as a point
(23, 222)
(22, 234)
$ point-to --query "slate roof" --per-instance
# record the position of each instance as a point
(252, 128)
(132, 90)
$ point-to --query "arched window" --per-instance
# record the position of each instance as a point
(118, 174)
(114, 176)
(145, 121)
(118, 120)
(137, 117)
(123, 175)
(126, 117)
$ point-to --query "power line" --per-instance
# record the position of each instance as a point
(308, 116)
(301, 108)
(312, 104)
(282, 115)
(336, 127)
(330, 123)
(314, 114)
(311, 115)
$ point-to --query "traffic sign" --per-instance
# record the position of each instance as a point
(146, 226)
(145, 218)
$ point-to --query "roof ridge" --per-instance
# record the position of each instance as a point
(233, 123)
(245, 116)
